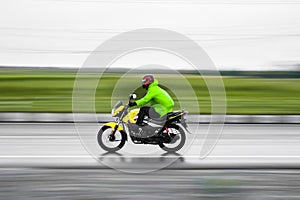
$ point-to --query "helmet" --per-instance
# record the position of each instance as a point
(147, 80)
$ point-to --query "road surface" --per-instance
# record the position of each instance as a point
(48, 161)
(59, 145)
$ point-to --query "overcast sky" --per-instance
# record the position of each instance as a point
(236, 34)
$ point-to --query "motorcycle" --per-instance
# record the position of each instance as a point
(168, 132)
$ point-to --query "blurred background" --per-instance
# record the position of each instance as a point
(247, 92)
(255, 46)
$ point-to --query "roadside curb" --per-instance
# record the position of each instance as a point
(14, 117)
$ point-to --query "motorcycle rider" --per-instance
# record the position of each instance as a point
(160, 101)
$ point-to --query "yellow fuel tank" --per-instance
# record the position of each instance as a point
(129, 118)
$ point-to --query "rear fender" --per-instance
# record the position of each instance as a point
(184, 127)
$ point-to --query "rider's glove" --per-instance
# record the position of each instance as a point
(132, 104)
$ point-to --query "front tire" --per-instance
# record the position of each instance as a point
(171, 148)
(105, 142)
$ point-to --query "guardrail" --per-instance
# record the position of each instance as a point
(88, 117)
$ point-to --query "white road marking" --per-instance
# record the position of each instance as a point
(39, 137)
(191, 156)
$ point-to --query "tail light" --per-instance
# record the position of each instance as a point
(184, 116)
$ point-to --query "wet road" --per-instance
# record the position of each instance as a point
(48, 161)
(264, 145)
(91, 184)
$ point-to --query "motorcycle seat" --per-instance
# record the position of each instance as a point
(162, 120)
(171, 114)
(159, 121)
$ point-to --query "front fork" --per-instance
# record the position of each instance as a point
(114, 130)
(112, 133)
(111, 136)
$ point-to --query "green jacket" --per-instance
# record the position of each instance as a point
(158, 98)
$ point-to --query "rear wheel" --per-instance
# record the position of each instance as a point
(177, 141)
(108, 143)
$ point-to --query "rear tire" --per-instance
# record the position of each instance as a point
(182, 139)
(103, 139)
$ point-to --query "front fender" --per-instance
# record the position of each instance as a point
(113, 125)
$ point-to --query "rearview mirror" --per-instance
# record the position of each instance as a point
(132, 96)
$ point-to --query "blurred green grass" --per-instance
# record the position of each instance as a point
(51, 91)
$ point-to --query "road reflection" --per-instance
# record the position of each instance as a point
(119, 160)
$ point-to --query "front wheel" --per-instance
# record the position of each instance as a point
(107, 143)
(177, 142)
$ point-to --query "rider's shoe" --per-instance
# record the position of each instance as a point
(164, 136)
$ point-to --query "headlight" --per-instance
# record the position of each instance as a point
(117, 111)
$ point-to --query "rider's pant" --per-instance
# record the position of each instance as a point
(146, 111)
